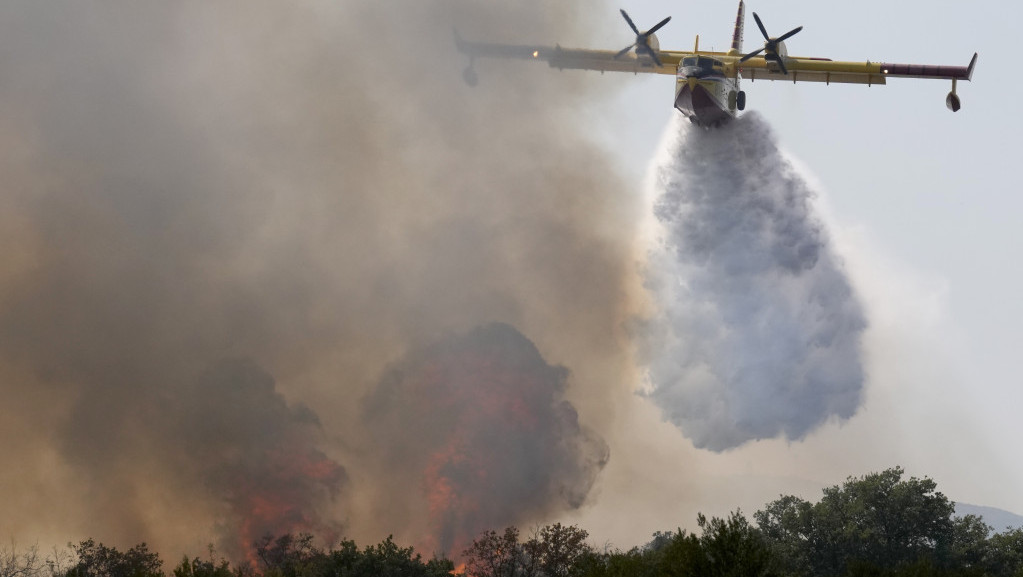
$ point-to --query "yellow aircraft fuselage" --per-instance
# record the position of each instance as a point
(707, 83)
(705, 92)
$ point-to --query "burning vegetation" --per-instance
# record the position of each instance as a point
(880, 524)
(257, 454)
(478, 426)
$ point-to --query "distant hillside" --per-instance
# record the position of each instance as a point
(997, 518)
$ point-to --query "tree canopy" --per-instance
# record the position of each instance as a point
(879, 521)
(878, 525)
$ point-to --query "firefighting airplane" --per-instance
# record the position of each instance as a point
(707, 83)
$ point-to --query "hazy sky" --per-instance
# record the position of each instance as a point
(923, 206)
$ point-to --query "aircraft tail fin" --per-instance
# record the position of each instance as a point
(740, 20)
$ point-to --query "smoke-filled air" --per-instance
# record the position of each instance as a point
(272, 267)
(758, 330)
(226, 225)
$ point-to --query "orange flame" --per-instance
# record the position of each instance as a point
(487, 432)
(282, 497)
(490, 396)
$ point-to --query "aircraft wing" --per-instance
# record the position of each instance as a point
(576, 59)
(828, 71)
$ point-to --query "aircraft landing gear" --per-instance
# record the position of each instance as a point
(470, 76)
(952, 100)
(740, 100)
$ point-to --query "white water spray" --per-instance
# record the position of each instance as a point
(758, 331)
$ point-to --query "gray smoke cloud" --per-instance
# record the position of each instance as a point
(485, 433)
(254, 452)
(758, 334)
(306, 185)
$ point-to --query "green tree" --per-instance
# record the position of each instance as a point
(787, 527)
(879, 520)
(291, 556)
(726, 548)
(682, 556)
(102, 561)
(966, 545)
(389, 560)
(635, 562)
(494, 555)
(384, 560)
(733, 548)
(1004, 554)
(196, 567)
(555, 551)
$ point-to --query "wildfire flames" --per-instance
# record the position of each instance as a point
(260, 457)
(485, 434)
(281, 497)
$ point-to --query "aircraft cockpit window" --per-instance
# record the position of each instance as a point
(701, 67)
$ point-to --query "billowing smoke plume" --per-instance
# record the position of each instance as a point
(308, 185)
(478, 424)
(759, 330)
(255, 453)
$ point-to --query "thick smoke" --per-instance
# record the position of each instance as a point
(309, 185)
(759, 330)
(481, 428)
(254, 453)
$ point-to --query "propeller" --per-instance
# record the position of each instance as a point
(642, 43)
(771, 45)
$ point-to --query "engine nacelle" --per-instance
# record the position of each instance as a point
(653, 43)
(782, 50)
(775, 53)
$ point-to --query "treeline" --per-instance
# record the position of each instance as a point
(879, 525)
(284, 556)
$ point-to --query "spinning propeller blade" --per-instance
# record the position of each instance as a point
(629, 20)
(658, 26)
(789, 34)
(625, 50)
(770, 48)
(642, 43)
(761, 26)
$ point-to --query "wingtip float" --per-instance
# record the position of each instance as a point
(707, 83)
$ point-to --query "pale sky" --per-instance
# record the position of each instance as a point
(922, 204)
